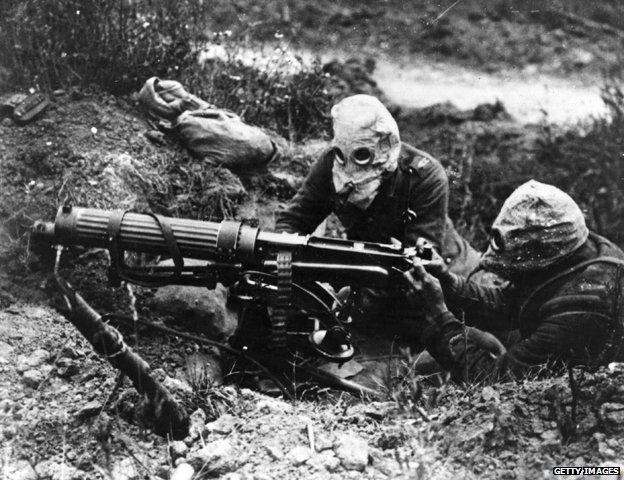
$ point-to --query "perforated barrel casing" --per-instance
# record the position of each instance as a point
(138, 232)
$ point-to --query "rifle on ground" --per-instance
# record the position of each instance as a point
(283, 272)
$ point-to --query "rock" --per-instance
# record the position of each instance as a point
(66, 368)
(329, 461)
(616, 368)
(70, 352)
(197, 307)
(125, 470)
(46, 369)
(224, 425)
(613, 412)
(352, 452)
(598, 436)
(182, 472)
(49, 470)
(389, 467)
(33, 378)
(605, 450)
(580, 57)
(175, 384)
(89, 409)
(324, 442)
(35, 359)
(6, 122)
(5, 352)
(488, 394)
(9, 432)
(20, 470)
(551, 440)
(216, 458)
(6, 406)
(197, 420)
(299, 455)
(38, 357)
(178, 449)
(155, 136)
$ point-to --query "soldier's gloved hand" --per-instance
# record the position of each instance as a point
(427, 288)
(436, 266)
(478, 355)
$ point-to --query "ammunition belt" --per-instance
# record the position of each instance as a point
(283, 301)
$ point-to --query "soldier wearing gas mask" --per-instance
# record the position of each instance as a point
(563, 303)
(381, 189)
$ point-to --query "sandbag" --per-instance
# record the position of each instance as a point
(166, 99)
(224, 139)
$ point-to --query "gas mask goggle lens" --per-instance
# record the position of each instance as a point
(497, 243)
(361, 156)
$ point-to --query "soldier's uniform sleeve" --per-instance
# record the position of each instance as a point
(428, 199)
(489, 307)
(567, 335)
(312, 203)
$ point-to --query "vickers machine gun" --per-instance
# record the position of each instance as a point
(278, 280)
(281, 273)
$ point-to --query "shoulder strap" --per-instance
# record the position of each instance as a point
(118, 270)
(576, 268)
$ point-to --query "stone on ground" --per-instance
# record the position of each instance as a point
(197, 307)
(183, 472)
(21, 470)
(352, 452)
(178, 449)
(32, 378)
(215, 458)
(125, 469)
(299, 455)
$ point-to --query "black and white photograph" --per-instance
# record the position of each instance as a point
(320, 240)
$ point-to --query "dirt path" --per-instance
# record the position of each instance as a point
(525, 95)
(420, 82)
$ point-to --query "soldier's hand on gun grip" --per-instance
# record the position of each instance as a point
(436, 266)
(427, 288)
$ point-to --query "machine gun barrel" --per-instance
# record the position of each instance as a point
(226, 241)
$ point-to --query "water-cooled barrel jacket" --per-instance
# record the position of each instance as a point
(419, 184)
(573, 312)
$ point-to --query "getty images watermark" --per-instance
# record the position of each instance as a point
(586, 471)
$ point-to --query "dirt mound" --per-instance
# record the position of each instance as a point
(63, 412)
(449, 114)
(96, 150)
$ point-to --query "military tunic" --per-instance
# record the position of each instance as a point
(572, 312)
(412, 202)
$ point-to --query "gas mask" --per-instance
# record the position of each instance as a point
(366, 148)
(538, 226)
